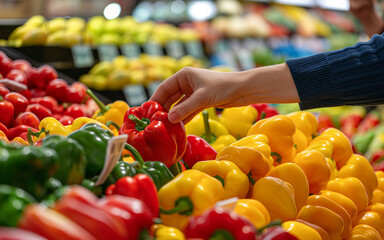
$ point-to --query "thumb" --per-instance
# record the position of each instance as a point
(183, 109)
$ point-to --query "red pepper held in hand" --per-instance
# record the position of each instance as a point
(197, 150)
(141, 187)
(150, 132)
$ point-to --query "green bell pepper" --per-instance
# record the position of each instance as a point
(94, 139)
(27, 167)
(72, 161)
(12, 203)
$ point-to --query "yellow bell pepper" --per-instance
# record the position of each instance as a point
(112, 112)
(342, 149)
(316, 169)
(343, 201)
(254, 211)
(380, 180)
(211, 130)
(188, 194)
(277, 196)
(301, 231)
(377, 208)
(19, 140)
(162, 232)
(238, 120)
(326, 148)
(258, 142)
(279, 129)
(359, 167)
(3, 137)
(378, 196)
(331, 222)
(235, 182)
(319, 200)
(372, 219)
(321, 231)
(364, 232)
(53, 126)
(293, 174)
(250, 161)
(351, 187)
(300, 140)
(306, 122)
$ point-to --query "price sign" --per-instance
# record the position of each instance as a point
(152, 87)
(107, 52)
(195, 49)
(114, 149)
(153, 49)
(131, 50)
(175, 49)
(135, 94)
(82, 55)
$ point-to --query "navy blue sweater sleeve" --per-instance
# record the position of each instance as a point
(350, 76)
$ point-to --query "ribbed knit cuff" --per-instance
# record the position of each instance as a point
(314, 81)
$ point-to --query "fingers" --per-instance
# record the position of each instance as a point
(186, 108)
(172, 99)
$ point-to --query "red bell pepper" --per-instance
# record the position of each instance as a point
(66, 120)
(75, 111)
(371, 120)
(18, 131)
(141, 187)
(21, 64)
(349, 124)
(18, 101)
(7, 112)
(7, 233)
(276, 233)
(26, 93)
(76, 93)
(35, 92)
(134, 213)
(17, 76)
(218, 222)
(150, 132)
(5, 65)
(3, 91)
(325, 122)
(41, 77)
(39, 110)
(28, 119)
(46, 101)
(264, 110)
(4, 129)
(197, 150)
(57, 89)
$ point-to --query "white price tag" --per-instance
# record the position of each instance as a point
(228, 204)
(135, 94)
(195, 49)
(131, 50)
(152, 87)
(114, 150)
(13, 85)
(153, 49)
(175, 49)
(82, 55)
(107, 52)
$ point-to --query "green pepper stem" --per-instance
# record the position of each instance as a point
(208, 133)
(103, 108)
(263, 114)
(278, 157)
(184, 206)
(175, 169)
(35, 134)
(221, 234)
(271, 224)
(140, 124)
(109, 123)
(136, 155)
(251, 180)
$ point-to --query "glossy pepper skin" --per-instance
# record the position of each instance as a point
(364, 232)
(219, 222)
(342, 200)
(238, 120)
(300, 230)
(189, 194)
(235, 182)
(280, 130)
(197, 150)
(72, 160)
(162, 232)
(94, 139)
(254, 211)
(150, 132)
(306, 122)
(27, 167)
(141, 187)
(326, 148)
(13, 200)
(372, 219)
(112, 112)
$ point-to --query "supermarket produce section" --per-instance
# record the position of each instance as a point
(84, 153)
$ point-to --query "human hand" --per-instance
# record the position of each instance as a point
(201, 89)
(362, 9)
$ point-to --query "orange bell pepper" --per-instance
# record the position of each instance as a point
(342, 149)
(364, 232)
(372, 219)
(316, 169)
(280, 130)
(378, 208)
(20, 140)
(3, 137)
(323, 201)
(330, 221)
(380, 180)
(306, 122)
(254, 211)
(343, 201)
(378, 196)
(359, 167)
(351, 187)
(293, 174)
(277, 196)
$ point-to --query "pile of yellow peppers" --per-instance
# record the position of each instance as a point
(281, 168)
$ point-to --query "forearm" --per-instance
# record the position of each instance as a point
(373, 24)
(272, 84)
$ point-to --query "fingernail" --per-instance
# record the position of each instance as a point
(173, 117)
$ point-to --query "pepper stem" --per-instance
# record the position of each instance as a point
(35, 134)
(136, 155)
(103, 108)
(208, 133)
(109, 123)
(175, 169)
(183, 206)
(251, 180)
(278, 157)
(271, 224)
(140, 124)
(221, 234)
